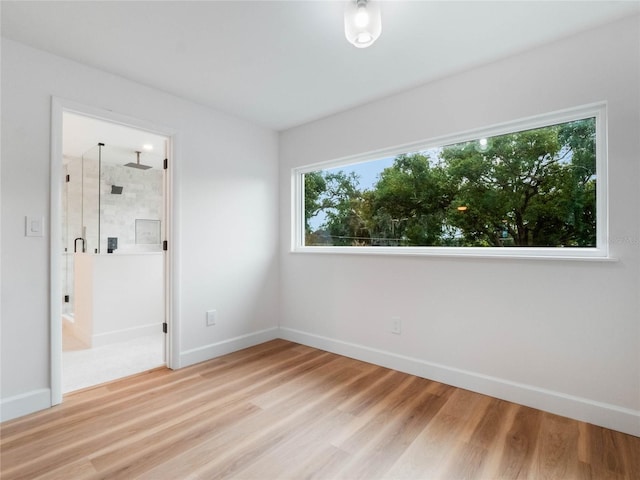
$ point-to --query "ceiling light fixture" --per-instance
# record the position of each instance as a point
(362, 22)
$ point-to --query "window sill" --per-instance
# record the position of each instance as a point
(571, 254)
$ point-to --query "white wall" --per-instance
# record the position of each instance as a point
(226, 192)
(559, 335)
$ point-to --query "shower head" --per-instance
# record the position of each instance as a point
(137, 164)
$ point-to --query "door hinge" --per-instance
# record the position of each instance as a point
(165, 245)
(66, 299)
(68, 178)
(164, 327)
(166, 163)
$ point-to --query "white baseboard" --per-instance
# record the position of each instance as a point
(125, 334)
(583, 409)
(598, 413)
(24, 404)
(207, 352)
(30, 402)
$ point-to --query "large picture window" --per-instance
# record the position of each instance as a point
(535, 189)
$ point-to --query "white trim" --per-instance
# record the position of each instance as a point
(213, 350)
(172, 265)
(58, 107)
(297, 211)
(597, 110)
(24, 404)
(573, 254)
(598, 413)
(55, 244)
(602, 179)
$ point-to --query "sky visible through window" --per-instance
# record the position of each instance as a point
(368, 174)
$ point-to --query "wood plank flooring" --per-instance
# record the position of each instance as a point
(286, 411)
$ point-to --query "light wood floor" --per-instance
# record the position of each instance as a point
(285, 411)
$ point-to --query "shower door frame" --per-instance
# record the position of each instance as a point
(58, 107)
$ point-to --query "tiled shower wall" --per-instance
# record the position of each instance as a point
(141, 198)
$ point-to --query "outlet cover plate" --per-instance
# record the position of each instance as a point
(34, 226)
(396, 325)
(211, 317)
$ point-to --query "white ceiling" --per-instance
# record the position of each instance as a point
(81, 135)
(285, 63)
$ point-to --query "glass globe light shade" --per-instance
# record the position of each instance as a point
(362, 22)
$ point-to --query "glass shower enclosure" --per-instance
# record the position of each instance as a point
(81, 215)
(112, 200)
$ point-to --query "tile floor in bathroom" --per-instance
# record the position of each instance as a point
(84, 367)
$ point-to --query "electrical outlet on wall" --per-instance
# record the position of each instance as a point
(211, 317)
(396, 325)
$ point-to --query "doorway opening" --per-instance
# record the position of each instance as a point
(111, 279)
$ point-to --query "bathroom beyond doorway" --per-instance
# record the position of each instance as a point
(113, 266)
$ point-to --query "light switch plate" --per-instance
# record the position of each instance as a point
(34, 226)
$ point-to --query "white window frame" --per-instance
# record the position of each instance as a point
(600, 252)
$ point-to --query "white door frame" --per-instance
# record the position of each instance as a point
(58, 107)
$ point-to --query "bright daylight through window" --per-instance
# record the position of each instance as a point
(532, 189)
